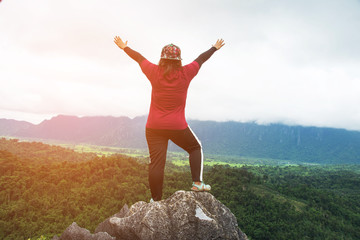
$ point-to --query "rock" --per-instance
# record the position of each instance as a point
(184, 215)
(105, 226)
(74, 232)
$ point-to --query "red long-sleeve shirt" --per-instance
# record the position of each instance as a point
(168, 96)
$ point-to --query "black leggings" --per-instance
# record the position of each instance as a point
(157, 140)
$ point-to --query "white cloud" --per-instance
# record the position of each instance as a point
(284, 61)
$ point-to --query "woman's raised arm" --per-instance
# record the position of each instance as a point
(206, 55)
(131, 53)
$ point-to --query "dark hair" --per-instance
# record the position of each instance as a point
(169, 65)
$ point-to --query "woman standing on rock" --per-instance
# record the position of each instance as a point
(166, 121)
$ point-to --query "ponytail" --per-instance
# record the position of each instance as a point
(169, 65)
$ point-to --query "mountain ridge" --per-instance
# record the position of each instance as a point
(278, 141)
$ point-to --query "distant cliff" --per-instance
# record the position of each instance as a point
(278, 141)
(184, 215)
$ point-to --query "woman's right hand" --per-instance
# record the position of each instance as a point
(219, 43)
(119, 42)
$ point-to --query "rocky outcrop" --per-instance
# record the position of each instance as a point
(74, 232)
(184, 215)
(106, 226)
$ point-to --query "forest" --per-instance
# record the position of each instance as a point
(44, 188)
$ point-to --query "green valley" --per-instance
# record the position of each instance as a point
(44, 188)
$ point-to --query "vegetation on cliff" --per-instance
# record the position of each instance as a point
(43, 189)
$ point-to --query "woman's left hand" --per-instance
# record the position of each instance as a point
(219, 44)
(119, 42)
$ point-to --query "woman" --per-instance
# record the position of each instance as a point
(166, 121)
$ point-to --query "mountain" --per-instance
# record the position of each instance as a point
(107, 131)
(9, 127)
(277, 141)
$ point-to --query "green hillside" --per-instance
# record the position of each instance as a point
(45, 193)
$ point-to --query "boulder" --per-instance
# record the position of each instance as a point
(74, 232)
(106, 226)
(184, 215)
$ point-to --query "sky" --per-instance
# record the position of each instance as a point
(291, 62)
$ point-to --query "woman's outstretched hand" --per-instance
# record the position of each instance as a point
(119, 42)
(219, 43)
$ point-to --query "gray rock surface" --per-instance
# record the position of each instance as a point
(105, 226)
(74, 232)
(184, 215)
